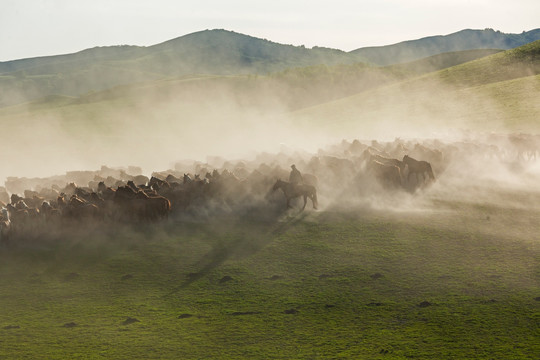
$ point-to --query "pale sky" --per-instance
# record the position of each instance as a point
(30, 28)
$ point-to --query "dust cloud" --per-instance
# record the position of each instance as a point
(248, 125)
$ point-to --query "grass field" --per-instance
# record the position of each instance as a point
(437, 276)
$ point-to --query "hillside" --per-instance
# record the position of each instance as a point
(462, 40)
(494, 93)
(295, 88)
(290, 89)
(441, 61)
(213, 52)
(216, 52)
(208, 51)
(312, 87)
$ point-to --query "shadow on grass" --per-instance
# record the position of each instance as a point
(275, 224)
(80, 247)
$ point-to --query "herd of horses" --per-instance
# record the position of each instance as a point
(110, 195)
(141, 199)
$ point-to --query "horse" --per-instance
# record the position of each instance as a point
(155, 207)
(154, 181)
(5, 224)
(293, 191)
(137, 205)
(418, 167)
(387, 174)
(187, 179)
(388, 161)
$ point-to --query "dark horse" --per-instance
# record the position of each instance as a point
(292, 191)
(418, 167)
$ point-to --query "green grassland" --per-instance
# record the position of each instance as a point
(445, 279)
(442, 61)
(497, 92)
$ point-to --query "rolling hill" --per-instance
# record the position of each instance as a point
(216, 52)
(314, 87)
(213, 52)
(441, 61)
(494, 93)
(293, 88)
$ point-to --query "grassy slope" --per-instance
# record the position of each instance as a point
(442, 61)
(326, 82)
(480, 279)
(18, 88)
(291, 89)
(511, 64)
(493, 93)
(502, 106)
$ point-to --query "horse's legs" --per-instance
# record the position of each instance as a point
(313, 201)
(415, 178)
(305, 202)
(289, 203)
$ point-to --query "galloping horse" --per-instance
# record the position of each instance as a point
(388, 175)
(418, 167)
(292, 191)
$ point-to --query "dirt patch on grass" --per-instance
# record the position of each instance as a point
(130, 320)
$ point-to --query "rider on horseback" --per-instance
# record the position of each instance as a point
(295, 178)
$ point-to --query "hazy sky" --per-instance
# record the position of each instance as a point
(30, 28)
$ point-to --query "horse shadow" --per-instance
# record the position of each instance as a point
(275, 222)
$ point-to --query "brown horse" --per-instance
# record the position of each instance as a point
(293, 191)
(388, 175)
(418, 167)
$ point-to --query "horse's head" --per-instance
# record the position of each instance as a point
(272, 190)
(406, 158)
(277, 185)
(5, 213)
(101, 186)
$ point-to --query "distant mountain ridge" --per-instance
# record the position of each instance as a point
(215, 52)
(462, 40)
(251, 48)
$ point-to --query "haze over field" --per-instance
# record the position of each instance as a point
(260, 96)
